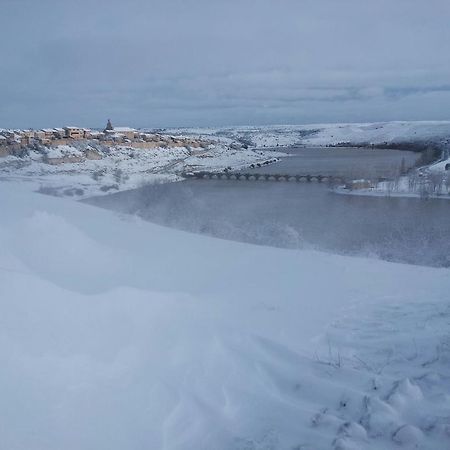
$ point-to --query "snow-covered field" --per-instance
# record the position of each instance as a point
(121, 334)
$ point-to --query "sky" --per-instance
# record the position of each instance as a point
(165, 63)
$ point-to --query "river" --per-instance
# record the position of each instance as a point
(304, 215)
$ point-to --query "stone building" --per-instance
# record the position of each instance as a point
(108, 127)
(74, 132)
(129, 133)
(114, 132)
(26, 137)
(39, 135)
(49, 133)
(59, 133)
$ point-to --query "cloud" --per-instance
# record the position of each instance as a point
(182, 62)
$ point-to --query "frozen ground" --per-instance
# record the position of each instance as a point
(120, 334)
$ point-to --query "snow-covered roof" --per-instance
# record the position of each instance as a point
(123, 129)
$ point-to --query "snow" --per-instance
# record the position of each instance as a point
(439, 166)
(116, 333)
(430, 182)
(120, 167)
(61, 151)
(332, 134)
(235, 147)
(123, 129)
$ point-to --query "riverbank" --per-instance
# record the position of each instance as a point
(427, 182)
(342, 190)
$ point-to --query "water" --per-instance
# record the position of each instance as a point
(348, 162)
(301, 215)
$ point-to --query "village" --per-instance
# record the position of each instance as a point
(12, 142)
(84, 162)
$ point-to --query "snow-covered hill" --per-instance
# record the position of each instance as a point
(121, 334)
(333, 134)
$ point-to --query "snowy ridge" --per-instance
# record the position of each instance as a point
(122, 334)
(332, 134)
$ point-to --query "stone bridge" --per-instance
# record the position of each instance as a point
(253, 176)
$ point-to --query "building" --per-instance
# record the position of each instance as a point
(44, 137)
(129, 133)
(26, 137)
(39, 135)
(27, 133)
(26, 140)
(74, 132)
(126, 132)
(59, 133)
(109, 126)
(95, 134)
(49, 133)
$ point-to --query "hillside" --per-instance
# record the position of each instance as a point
(352, 134)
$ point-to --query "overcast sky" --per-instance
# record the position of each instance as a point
(222, 62)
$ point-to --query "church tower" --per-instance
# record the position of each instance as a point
(109, 126)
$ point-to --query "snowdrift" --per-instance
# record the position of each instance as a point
(121, 334)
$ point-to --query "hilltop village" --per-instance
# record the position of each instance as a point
(12, 142)
(83, 162)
